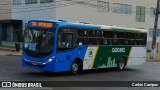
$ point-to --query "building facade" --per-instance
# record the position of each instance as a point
(125, 13)
(14, 14)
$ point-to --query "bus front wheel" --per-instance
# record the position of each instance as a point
(121, 64)
(75, 67)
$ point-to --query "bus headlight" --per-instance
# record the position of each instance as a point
(50, 60)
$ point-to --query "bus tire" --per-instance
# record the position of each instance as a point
(121, 64)
(75, 67)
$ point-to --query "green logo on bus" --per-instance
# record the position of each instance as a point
(90, 52)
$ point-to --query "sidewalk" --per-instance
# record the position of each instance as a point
(156, 59)
(9, 51)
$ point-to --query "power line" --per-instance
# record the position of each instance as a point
(39, 6)
(73, 2)
(27, 4)
(78, 2)
(39, 9)
(69, 2)
(42, 6)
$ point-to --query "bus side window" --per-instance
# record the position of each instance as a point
(139, 39)
(130, 38)
(82, 41)
(82, 37)
(94, 37)
(115, 40)
(59, 40)
(144, 39)
(119, 38)
(65, 39)
(107, 38)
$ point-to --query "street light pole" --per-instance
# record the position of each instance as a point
(153, 48)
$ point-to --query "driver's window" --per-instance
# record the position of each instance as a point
(65, 40)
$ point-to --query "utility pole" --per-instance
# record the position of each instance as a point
(153, 48)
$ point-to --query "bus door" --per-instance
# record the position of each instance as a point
(65, 44)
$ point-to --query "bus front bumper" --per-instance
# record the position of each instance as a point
(45, 66)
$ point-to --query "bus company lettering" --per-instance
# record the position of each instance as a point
(118, 50)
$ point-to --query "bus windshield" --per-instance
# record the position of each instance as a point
(38, 43)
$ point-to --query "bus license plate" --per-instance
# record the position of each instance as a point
(33, 63)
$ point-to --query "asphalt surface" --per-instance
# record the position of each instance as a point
(11, 69)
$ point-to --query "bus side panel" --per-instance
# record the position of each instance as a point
(137, 56)
(65, 59)
(90, 56)
(104, 56)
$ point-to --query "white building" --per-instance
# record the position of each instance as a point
(126, 13)
(14, 14)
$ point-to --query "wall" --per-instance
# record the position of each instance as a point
(5, 9)
(85, 13)
(33, 11)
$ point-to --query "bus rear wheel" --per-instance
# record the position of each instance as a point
(75, 67)
(121, 64)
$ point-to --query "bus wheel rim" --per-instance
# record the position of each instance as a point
(121, 64)
(75, 67)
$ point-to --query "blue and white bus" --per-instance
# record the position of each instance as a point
(63, 46)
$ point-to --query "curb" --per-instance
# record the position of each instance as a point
(152, 60)
(10, 51)
(7, 49)
(13, 55)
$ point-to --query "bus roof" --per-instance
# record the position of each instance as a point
(112, 28)
(123, 29)
(83, 25)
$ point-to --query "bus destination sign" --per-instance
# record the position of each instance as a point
(42, 24)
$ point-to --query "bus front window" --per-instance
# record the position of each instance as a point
(38, 43)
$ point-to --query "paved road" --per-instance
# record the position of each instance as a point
(11, 69)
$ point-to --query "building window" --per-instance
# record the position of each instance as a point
(140, 14)
(16, 2)
(152, 12)
(122, 8)
(30, 1)
(46, 1)
(103, 6)
(7, 33)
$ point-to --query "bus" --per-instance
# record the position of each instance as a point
(58, 46)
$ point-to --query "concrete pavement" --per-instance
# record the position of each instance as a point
(11, 70)
(9, 51)
(156, 59)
